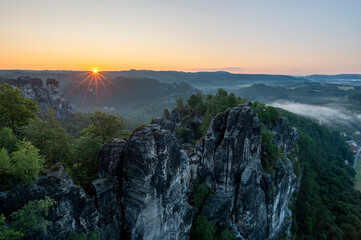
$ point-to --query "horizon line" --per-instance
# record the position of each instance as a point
(184, 71)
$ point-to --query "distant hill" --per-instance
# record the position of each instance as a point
(208, 78)
(310, 93)
(204, 80)
(338, 77)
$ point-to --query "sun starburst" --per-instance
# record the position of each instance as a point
(94, 79)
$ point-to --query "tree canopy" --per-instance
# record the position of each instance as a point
(50, 137)
(105, 126)
(15, 110)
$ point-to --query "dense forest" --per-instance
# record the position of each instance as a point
(32, 143)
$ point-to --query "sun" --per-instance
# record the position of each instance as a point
(94, 79)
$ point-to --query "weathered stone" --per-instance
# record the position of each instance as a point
(154, 193)
(48, 96)
(107, 189)
(284, 136)
(109, 157)
(243, 192)
(109, 208)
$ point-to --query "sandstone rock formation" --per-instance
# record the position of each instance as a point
(245, 196)
(47, 96)
(145, 183)
(155, 177)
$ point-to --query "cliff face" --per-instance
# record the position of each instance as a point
(142, 190)
(107, 190)
(155, 177)
(145, 182)
(247, 198)
(47, 96)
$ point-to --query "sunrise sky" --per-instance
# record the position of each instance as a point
(255, 36)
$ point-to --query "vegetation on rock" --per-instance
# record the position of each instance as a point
(29, 218)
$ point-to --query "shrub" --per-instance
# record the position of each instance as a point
(226, 235)
(15, 110)
(31, 216)
(184, 133)
(166, 113)
(200, 195)
(6, 233)
(83, 167)
(26, 163)
(267, 115)
(105, 126)
(7, 139)
(5, 163)
(82, 236)
(270, 152)
(49, 136)
(202, 229)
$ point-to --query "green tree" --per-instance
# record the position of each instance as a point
(202, 229)
(166, 113)
(7, 139)
(200, 195)
(6, 233)
(75, 123)
(83, 167)
(195, 101)
(15, 110)
(226, 235)
(105, 126)
(82, 236)
(180, 103)
(217, 103)
(31, 216)
(50, 137)
(5, 163)
(270, 152)
(5, 167)
(26, 163)
(206, 121)
(267, 115)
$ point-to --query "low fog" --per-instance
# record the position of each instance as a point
(335, 116)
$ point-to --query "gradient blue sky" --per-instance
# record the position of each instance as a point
(259, 36)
